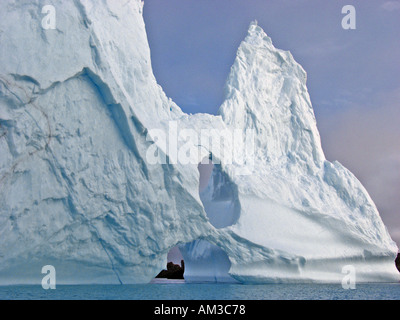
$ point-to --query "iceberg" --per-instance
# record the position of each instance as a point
(80, 109)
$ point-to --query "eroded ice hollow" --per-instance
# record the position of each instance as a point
(204, 261)
(77, 192)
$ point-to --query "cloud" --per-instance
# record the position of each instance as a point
(391, 5)
(324, 48)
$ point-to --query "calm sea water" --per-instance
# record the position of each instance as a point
(183, 291)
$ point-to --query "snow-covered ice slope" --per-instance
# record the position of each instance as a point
(77, 192)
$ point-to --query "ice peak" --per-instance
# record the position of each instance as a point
(265, 88)
(256, 35)
(253, 23)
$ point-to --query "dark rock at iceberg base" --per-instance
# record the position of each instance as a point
(398, 262)
(173, 271)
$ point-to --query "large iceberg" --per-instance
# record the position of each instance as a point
(80, 109)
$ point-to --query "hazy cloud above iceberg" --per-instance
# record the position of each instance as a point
(391, 5)
(353, 75)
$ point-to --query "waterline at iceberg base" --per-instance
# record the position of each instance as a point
(76, 192)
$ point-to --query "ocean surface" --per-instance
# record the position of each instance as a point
(170, 290)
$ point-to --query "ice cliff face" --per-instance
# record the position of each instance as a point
(78, 106)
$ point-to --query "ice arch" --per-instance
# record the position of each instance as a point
(205, 262)
(219, 198)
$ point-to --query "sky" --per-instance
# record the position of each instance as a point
(353, 75)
